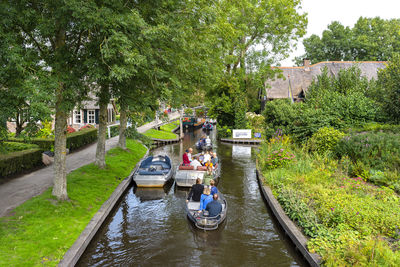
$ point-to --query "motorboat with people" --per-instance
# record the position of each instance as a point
(154, 171)
(201, 218)
(204, 144)
(186, 175)
(207, 126)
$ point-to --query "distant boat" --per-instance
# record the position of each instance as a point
(207, 126)
(185, 176)
(200, 219)
(206, 145)
(154, 171)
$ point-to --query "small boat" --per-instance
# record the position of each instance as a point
(206, 145)
(185, 176)
(154, 171)
(201, 220)
(207, 126)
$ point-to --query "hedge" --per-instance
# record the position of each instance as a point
(75, 140)
(18, 161)
(79, 139)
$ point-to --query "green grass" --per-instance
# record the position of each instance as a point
(170, 126)
(43, 229)
(164, 133)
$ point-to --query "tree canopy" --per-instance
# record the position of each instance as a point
(370, 39)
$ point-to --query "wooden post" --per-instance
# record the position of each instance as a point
(181, 124)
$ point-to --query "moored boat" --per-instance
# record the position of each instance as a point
(200, 218)
(185, 176)
(154, 171)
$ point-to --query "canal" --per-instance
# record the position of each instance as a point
(149, 227)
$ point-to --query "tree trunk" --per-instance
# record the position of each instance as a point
(101, 141)
(18, 125)
(122, 128)
(60, 155)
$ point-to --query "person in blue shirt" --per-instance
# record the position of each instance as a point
(205, 198)
(214, 208)
(214, 189)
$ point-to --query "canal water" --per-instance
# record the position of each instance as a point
(149, 227)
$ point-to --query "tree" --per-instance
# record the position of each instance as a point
(21, 101)
(389, 85)
(369, 39)
(254, 34)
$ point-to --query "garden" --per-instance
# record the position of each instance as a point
(333, 163)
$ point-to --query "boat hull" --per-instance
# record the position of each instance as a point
(187, 178)
(204, 222)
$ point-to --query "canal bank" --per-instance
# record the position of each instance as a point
(149, 226)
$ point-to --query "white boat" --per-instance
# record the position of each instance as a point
(154, 171)
(201, 220)
(185, 176)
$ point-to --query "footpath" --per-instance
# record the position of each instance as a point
(16, 191)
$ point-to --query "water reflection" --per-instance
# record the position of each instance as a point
(150, 226)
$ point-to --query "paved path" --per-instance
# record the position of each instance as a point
(16, 191)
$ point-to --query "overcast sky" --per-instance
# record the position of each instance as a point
(323, 12)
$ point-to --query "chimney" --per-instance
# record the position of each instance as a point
(306, 64)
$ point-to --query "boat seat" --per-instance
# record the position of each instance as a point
(185, 167)
(201, 168)
(192, 205)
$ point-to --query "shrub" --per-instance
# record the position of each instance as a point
(279, 138)
(19, 161)
(324, 140)
(46, 131)
(132, 133)
(8, 147)
(79, 139)
(280, 114)
(224, 132)
(70, 129)
(114, 130)
(188, 111)
(278, 159)
(379, 151)
(87, 126)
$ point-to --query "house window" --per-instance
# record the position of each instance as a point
(91, 117)
(77, 117)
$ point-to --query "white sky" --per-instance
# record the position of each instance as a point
(322, 12)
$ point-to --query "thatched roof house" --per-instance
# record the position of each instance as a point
(300, 78)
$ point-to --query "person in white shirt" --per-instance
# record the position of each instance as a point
(208, 140)
(207, 157)
(195, 163)
(190, 154)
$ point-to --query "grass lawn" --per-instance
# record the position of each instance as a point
(170, 126)
(43, 229)
(164, 133)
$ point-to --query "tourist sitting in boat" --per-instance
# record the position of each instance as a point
(195, 163)
(214, 189)
(201, 157)
(196, 191)
(208, 163)
(185, 158)
(205, 198)
(207, 157)
(214, 207)
(208, 176)
(208, 141)
(214, 159)
(190, 154)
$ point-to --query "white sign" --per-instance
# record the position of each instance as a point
(241, 133)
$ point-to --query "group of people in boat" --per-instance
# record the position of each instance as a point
(207, 158)
(207, 195)
(205, 141)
